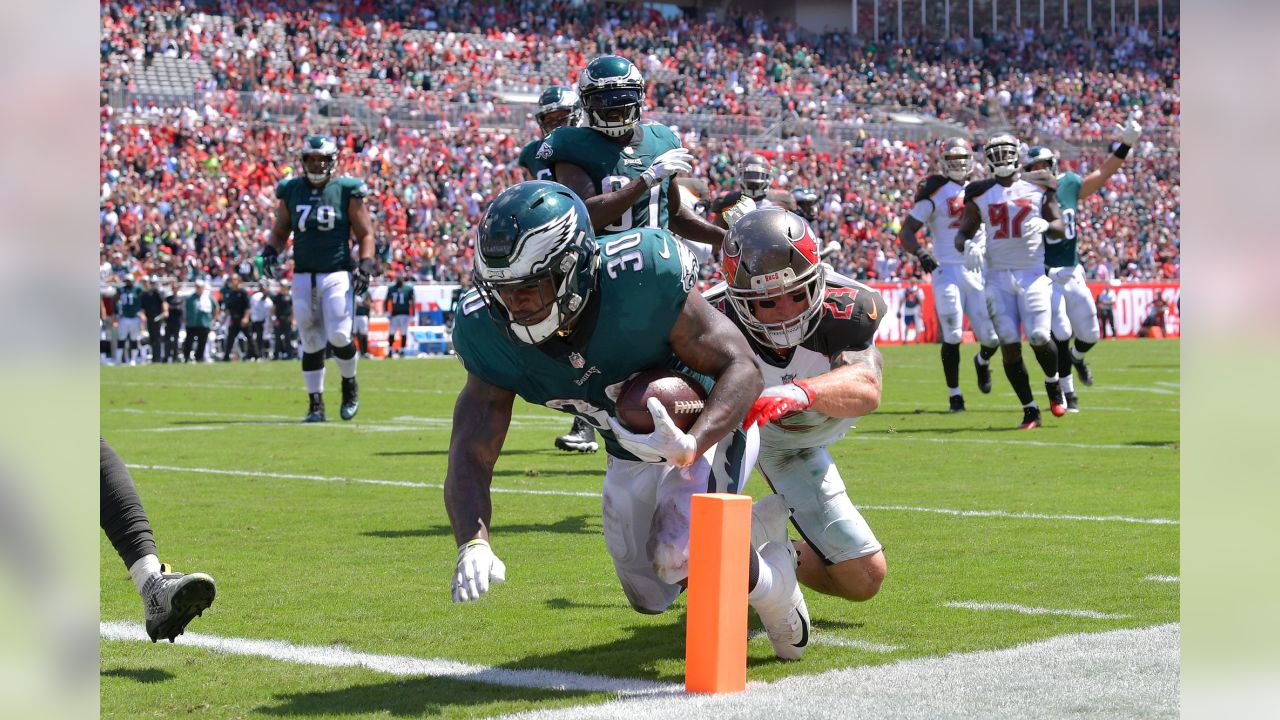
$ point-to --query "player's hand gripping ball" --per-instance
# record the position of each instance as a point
(682, 396)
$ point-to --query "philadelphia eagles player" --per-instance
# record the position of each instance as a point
(812, 333)
(623, 168)
(563, 320)
(1074, 311)
(323, 212)
(558, 107)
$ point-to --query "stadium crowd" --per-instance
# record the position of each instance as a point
(187, 190)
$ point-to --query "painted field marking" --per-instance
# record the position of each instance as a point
(403, 665)
(572, 493)
(1163, 578)
(822, 638)
(1030, 443)
(1025, 610)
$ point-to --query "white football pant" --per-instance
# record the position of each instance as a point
(1020, 300)
(822, 510)
(958, 293)
(322, 304)
(1074, 311)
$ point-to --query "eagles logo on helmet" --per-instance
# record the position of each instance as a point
(319, 159)
(612, 91)
(769, 253)
(558, 107)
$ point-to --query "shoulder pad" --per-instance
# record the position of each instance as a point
(929, 186)
(851, 316)
(974, 189)
(717, 294)
(282, 187)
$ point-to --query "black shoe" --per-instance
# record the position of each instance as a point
(1073, 405)
(350, 398)
(957, 403)
(1030, 418)
(316, 411)
(984, 374)
(172, 599)
(1056, 404)
(582, 438)
(1082, 369)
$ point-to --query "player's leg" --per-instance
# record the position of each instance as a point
(171, 600)
(839, 554)
(628, 500)
(339, 309)
(1002, 304)
(974, 302)
(947, 302)
(1037, 314)
(307, 308)
(1083, 313)
(1060, 328)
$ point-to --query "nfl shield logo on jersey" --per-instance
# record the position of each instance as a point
(577, 361)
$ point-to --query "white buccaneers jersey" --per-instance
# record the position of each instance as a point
(1004, 210)
(939, 203)
(850, 317)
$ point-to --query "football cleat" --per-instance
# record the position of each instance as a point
(1082, 369)
(581, 438)
(785, 616)
(172, 599)
(1030, 418)
(315, 412)
(1056, 404)
(1073, 405)
(957, 403)
(350, 398)
(984, 373)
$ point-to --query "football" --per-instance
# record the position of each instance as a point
(681, 395)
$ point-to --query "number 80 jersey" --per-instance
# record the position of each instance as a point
(611, 166)
(318, 219)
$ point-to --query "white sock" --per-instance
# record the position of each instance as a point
(1076, 356)
(143, 569)
(1068, 384)
(1051, 380)
(981, 360)
(764, 581)
(953, 391)
(347, 368)
(1032, 404)
(314, 380)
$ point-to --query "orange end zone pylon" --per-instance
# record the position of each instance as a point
(716, 627)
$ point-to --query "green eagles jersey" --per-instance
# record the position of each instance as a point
(612, 166)
(643, 280)
(321, 228)
(400, 299)
(1062, 253)
(529, 160)
(128, 301)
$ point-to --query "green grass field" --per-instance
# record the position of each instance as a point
(309, 547)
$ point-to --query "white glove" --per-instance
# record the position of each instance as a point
(975, 254)
(477, 567)
(675, 160)
(1129, 131)
(666, 444)
(737, 210)
(1034, 226)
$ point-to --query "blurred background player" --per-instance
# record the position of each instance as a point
(324, 213)
(259, 314)
(958, 292)
(170, 599)
(175, 305)
(198, 311)
(364, 302)
(806, 202)
(812, 333)
(128, 303)
(282, 325)
(235, 304)
(1016, 215)
(912, 300)
(152, 303)
(755, 177)
(401, 306)
(1074, 311)
(1107, 310)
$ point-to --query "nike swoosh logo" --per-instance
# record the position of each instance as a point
(873, 313)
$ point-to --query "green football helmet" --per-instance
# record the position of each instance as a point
(558, 107)
(326, 150)
(1038, 154)
(612, 91)
(536, 259)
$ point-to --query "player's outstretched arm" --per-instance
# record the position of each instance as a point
(852, 387)
(481, 417)
(686, 223)
(708, 342)
(970, 222)
(605, 208)
(1129, 133)
(361, 227)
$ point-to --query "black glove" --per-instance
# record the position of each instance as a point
(268, 262)
(360, 276)
(927, 263)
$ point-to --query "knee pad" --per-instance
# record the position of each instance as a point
(1038, 338)
(312, 361)
(338, 338)
(952, 328)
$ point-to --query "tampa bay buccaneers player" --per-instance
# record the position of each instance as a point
(813, 332)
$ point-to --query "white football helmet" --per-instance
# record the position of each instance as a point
(1002, 153)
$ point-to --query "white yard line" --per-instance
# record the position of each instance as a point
(573, 493)
(337, 656)
(1163, 578)
(991, 441)
(1118, 674)
(1022, 515)
(822, 638)
(1026, 610)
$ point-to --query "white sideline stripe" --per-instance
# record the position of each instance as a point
(574, 493)
(361, 481)
(337, 656)
(1025, 610)
(1023, 515)
(179, 383)
(1116, 674)
(1163, 578)
(1030, 443)
(410, 419)
(817, 638)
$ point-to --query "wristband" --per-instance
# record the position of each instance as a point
(808, 391)
(1122, 151)
(649, 179)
